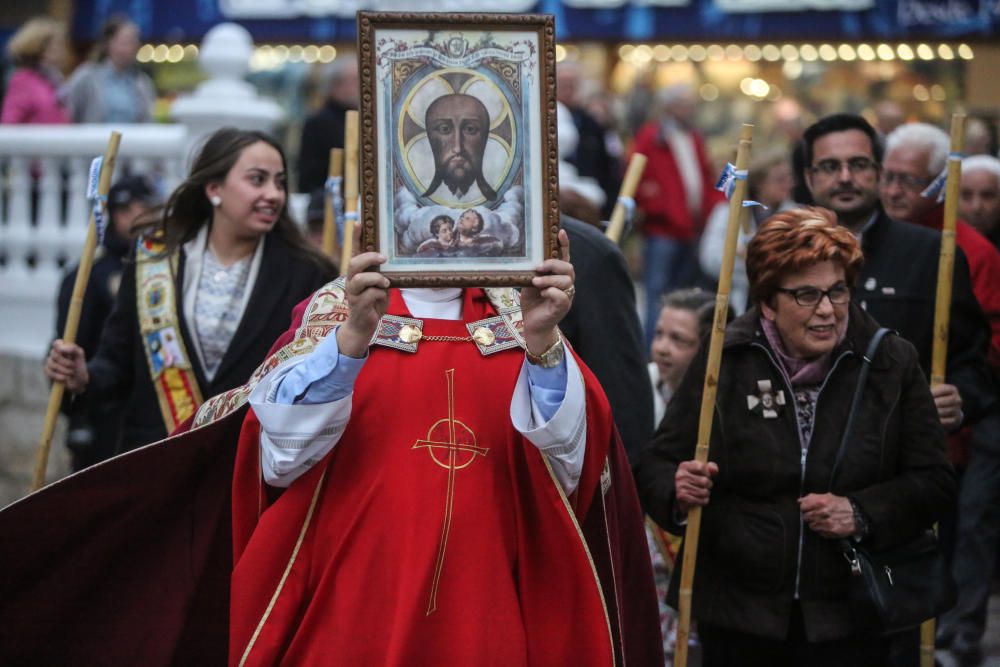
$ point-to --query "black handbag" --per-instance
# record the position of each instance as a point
(899, 588)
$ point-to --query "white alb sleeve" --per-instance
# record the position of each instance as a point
(294, 438)
(562, 439)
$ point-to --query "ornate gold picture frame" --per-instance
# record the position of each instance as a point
(459, 166)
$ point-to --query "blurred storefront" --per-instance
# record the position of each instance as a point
(778, 63)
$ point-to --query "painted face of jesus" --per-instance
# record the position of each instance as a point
(458, 127)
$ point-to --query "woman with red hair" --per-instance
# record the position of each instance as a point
(771, 586)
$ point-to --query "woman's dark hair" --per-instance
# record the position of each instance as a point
(692, 298)
(838, 122)
(761, 166)
(697, 301)
(109, 29)
(188, 207)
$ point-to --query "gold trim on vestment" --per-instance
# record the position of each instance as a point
(586, 550)
(288, 569)
(614, 577)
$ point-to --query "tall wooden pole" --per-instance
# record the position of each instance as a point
(632, 175)
(73, 316)
(351, 140)
(693, 531)
(335, 170)
(942, 309)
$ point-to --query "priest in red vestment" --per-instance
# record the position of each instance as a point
(410, 492)
(423, 477)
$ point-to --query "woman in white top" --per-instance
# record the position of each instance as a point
(110, 87)
(769, 182)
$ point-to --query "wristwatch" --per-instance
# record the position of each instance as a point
(551, 357)
(861, 525)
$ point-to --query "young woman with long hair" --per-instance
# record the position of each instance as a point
(215, 277)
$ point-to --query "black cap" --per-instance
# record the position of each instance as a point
(128, 190)
(317, 206)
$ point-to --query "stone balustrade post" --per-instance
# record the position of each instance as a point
(225, 99)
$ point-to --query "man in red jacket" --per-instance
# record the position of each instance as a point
(979, 202)
(676, 194)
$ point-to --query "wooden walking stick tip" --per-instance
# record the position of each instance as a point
(616, 226)
(957, 131)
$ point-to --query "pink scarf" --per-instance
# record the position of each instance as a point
(801, 372)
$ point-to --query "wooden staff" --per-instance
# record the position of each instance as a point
(350, 188)
(942, 310)
(329, 215)
(693, 531)
(73, 316)
(632, 175)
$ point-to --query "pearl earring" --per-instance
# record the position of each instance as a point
(216, 200)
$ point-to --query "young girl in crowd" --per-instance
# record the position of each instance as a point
(684, 322)
(213, 284)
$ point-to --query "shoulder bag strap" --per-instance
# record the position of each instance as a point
(866, 363)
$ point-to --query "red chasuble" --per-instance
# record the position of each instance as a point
(432, 534)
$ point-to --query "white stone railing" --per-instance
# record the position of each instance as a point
(44, 211)
(43, 181)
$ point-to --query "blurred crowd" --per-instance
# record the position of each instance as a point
(872, 173)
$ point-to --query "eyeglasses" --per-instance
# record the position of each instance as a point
(811, 296)
(906, 181)
(856, 165)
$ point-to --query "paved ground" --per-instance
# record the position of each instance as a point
(991, 642)
(24, 394)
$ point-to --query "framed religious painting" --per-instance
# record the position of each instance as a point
(459, 170)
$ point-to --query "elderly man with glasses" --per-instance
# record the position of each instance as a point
(915, 153)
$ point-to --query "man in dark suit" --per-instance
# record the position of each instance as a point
(591, 157)
(325, 129)
(898, 283)
(603, 327)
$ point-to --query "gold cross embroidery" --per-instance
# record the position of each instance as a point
(452, 437)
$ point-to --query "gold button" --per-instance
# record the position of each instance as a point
(410, 333)
(483, 336)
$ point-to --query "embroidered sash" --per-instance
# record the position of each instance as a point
(166, 357)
